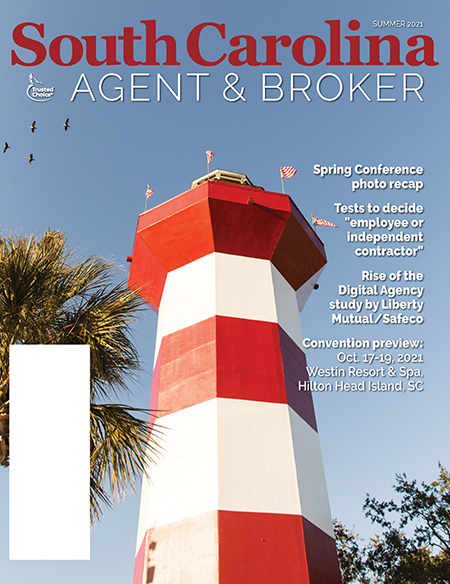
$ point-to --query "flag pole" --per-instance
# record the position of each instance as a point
(288, 172)
(209, 155)
(148, 193)
(146, 198)
(314, 225)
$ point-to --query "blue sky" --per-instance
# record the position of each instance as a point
(90, 182)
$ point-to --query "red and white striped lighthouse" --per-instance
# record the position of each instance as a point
(240, 495)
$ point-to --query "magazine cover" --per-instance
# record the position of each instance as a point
(111, 110)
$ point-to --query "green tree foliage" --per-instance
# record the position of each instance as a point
(414, 545)
(48, 296)
(350, 554)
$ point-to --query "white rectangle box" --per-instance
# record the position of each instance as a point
(49, 452)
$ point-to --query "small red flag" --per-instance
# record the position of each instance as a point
(287, 171)
(317, 221)
(149, 191)
(209, 155)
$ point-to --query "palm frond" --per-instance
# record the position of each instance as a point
(103, 321)
(122, 448)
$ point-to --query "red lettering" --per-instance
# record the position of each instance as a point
(54, 50)
(249, 49)
(307, 50)
(271, 48)
(193, 44)
(428, 51)
(355, 48)
(374, 50)
(30, 44)
(320, 50)
(335, 42)
(150, 45)
(128, 39)
(91, 51)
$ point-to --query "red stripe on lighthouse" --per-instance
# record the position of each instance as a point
(267, 548)
(233, 358)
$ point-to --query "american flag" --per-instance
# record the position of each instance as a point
(149, 191)
(317, 221)
(209, 155)
(287, 171)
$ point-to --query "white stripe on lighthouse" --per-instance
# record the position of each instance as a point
(227, 285)
(236, 455)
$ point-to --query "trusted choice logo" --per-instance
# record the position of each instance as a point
(37, 93)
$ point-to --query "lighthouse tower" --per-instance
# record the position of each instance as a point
(239, 496)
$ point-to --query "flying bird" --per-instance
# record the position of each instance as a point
(5, 147)
(66, 124)
(33, 126)
(30, 158)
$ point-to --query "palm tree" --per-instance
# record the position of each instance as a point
(48, 296)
